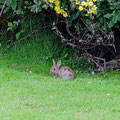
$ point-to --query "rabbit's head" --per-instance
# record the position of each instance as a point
(55, 68)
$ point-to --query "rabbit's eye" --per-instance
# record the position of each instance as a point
(54, 69)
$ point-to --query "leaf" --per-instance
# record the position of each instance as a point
(14, 4)
(18, 34)
(118, 7)
(19, 5)
(117, 26)
(111, 24)
(112, 7)
(35, 1)
(75, 16)
(115, 18)
(101, 19)
(118, 17)
(77, 28)
(88, 21)
(65, 56)
(108, 15)
(6, 9)
(10, 24)
(1, 6)
(9, 2)
(109, 1)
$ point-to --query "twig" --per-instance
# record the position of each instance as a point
(113, 38)
(72, 45)
(68, 30)
(25, 37)
(102, 31)
(59, 33)
(92, 58)
(3, 7)
(85, 24)
(84, 34)
(20, 39)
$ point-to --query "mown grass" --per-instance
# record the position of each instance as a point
(29, 92)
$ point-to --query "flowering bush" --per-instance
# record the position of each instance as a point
(65, 7)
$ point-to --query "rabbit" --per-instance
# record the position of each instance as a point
(61, 72)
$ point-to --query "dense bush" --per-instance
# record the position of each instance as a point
(15, 10)
(92, 11)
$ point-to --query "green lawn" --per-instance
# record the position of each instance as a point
(29, 92)
(28, 95)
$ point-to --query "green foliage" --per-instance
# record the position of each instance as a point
(18, 34)
(10, 26)
(109, 12)
(15, 11)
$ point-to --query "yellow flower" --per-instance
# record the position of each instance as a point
(44, 6)
(51, 1)
(86, 4)
(88, 0)
(94, 12)
(65, 14)
(83, 3)
(94, 0)
(80, 8)
(89, 82)
(57, 9)
(77, 2)
(94, 7)
(57, 3)
(24, 7)
(87, 14)
(62, 11)
(90, 3)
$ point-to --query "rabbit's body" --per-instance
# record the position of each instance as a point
(62, 72)
(66, 72)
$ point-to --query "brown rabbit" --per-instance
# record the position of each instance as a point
(62, 72)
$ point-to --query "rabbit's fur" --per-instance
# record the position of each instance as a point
(61, 72)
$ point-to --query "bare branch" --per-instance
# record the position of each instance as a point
(72, 45)
(85, 24)
(59, 33)
(68, 30)
(113, 38)
(93, 59)
(3, 7)
(21, 39)
(25, 37)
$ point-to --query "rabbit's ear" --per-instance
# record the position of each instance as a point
(59, 63)
(54, 62)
